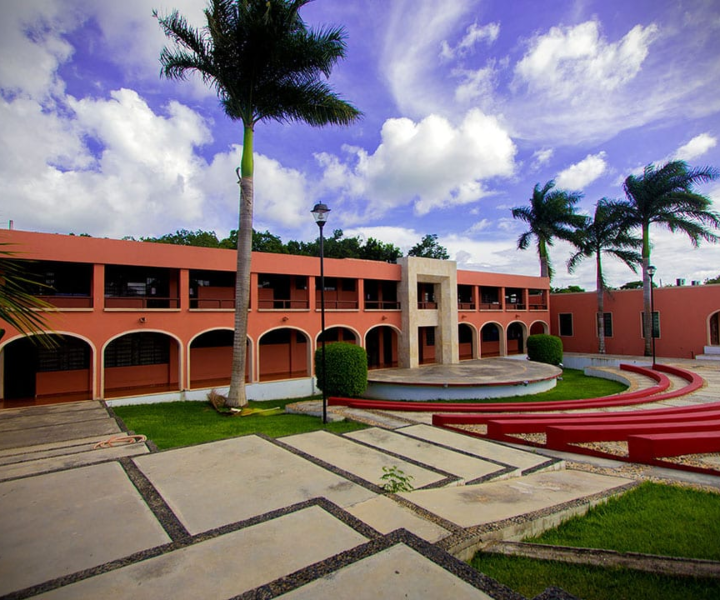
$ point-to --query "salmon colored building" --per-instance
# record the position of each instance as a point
(686, 321)
(136, 318)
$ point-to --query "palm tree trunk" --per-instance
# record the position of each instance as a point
(236, 394)
(600, 305)
(544, 263)
(647, 306)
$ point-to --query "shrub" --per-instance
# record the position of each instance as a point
(545, 348)
(346, 369)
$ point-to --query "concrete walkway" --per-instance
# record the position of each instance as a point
(252, 517)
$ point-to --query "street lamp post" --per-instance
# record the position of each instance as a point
(320, 214)
(651, 272)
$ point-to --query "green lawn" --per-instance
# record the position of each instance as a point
(651, 519)
(175, 424)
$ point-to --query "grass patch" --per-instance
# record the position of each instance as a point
(175, 424)
(652, 519)
(531, 577)
(575, 385)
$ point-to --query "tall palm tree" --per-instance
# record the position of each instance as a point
(551, 215)
(605, 233)
(665, 196)
(265, 64)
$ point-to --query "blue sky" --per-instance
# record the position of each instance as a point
(468, 104)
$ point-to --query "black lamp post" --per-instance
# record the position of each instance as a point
(651, 272)
(320, 214)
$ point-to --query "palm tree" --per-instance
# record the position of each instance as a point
(605, 234)
(551, 215)
(665, 196)
(19, 306)
(265, 64)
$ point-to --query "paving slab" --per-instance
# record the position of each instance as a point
(468, 468)
(25, 421)
(224, 566)
(385, 515)
(218, 483)
(361, 461)
(60, 523)
(519, 459)
(63, 407)
(31, 436)
(473, 505)
(65, 460)
(8, 455)
(398, 572)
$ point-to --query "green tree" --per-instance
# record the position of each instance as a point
(429, 248)
(183, 237)
(666, 196)
(711, 280)
(571, 289)
(605, 234)
(265, 64)
(266, 242)
(551, 215)
(19, 306)
(376, 250)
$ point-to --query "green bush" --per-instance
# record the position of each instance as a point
(545, 348)
(346, 369)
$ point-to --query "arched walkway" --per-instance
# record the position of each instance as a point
(32, 372)
(516, 338)
(211, 359)
(490, 340)
(283, 354)
(148, 359)
(381, 343)
(466, 341)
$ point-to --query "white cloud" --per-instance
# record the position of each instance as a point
(697, 146)
(478, 84)
(430, 164)
(571, 60)
(541, 157)
(581, 174)
(473, 35)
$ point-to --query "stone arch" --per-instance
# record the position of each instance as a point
(492, 341)
(65, 372)
(516, 338)
(467, 341)
(143, 361)
(284, 353)
(714, 328)
(381, 344)
(339, 333)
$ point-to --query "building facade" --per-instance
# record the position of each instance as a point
(136, 318)
(685, 321)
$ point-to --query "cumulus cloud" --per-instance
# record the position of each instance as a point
(581, 174)
(568, 60)
(429, 164)
(473, 35)
(541, 157)
(697, 146)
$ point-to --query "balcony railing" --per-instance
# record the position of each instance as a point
(68, 301)
(382, 305)
(514, 306)
(538, 306)
(427, 305)
(141, 302)
(337, 304)
(466, 305)
(212, 304)
(283, 304)
(489, 306)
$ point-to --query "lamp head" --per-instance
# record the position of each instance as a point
(651, 271)
(320, 213)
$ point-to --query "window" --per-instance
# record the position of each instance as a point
(566, 324)
(656, 324)
(607, 324)
(138, 349)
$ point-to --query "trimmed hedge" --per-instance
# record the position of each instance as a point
(347, 369)
(545, 348)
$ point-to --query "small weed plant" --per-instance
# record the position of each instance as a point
(395, 480)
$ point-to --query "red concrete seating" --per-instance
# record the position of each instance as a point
(649, 447)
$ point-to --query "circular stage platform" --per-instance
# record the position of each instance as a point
(484, 378)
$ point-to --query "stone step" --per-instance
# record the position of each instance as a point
(65, 432)
(467, 468)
